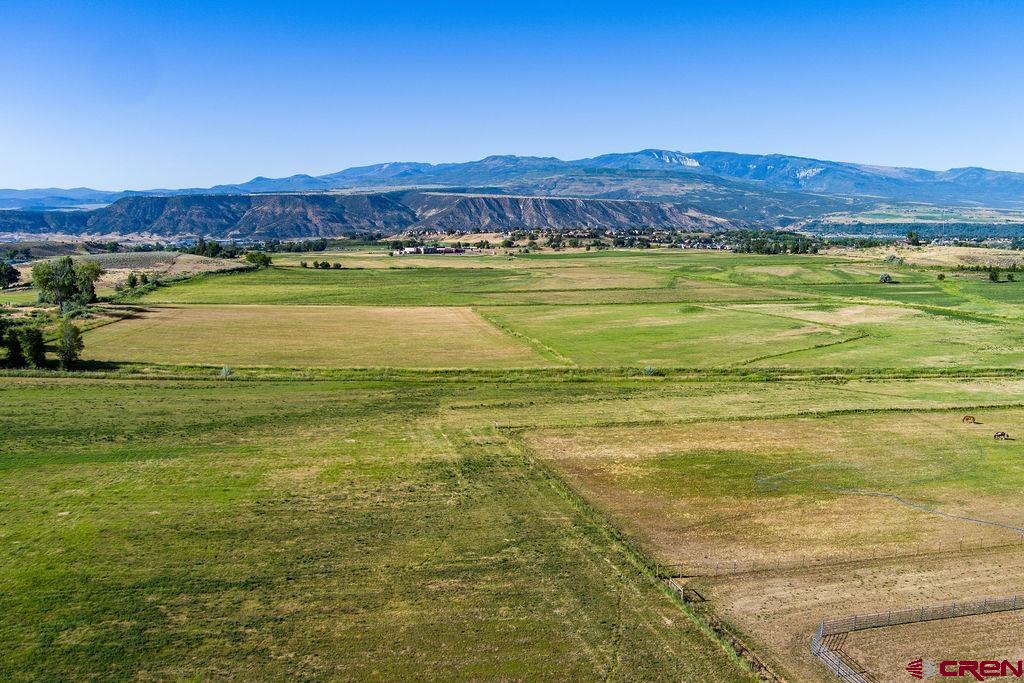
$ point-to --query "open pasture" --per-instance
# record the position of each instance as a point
(310, 336)
(710, 493)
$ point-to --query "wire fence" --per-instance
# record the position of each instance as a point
(846, 670)
(859, 622)
(700, 568)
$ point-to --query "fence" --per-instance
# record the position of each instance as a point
(726, 567)
(845, 671)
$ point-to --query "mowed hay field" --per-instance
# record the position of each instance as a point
(310, 336)
(305, 530)
(483, 467)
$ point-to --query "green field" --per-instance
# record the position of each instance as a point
(482, 467)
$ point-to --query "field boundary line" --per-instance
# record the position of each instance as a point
(726, 637)
(537, 344)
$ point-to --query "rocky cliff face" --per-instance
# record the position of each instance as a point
(292, 216)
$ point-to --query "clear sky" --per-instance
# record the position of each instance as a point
(176, 94)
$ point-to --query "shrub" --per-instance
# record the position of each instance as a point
(133, 280)
(143, 279)
(336, 266)
(942, 276)
(226, 372)
(303, 264)
(885, 278)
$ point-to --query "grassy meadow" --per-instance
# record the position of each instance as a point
(475, 467)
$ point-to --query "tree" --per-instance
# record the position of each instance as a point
(303, 264)
(8, 274)
(69, 343)
(9, 340)
(993, 275)
(258, 258)
(143, 278)
(913, 238)
(63, 281)
(33, 349)
(133, 280)
(1010, 277)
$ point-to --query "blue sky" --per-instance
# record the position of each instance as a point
(175, 94)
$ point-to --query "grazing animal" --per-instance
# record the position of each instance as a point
(969, 419)
(1001, 436)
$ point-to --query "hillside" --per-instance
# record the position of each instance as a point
(289, 216)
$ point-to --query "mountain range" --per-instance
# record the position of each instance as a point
(711, 188)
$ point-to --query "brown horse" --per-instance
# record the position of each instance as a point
(969, 419)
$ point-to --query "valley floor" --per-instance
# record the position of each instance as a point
(485, 469)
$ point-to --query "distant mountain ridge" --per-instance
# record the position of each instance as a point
(750, 173)
(312, 215)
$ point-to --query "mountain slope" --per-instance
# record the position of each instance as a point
(292, 216)
(775, 189)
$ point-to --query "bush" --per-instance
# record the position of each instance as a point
(336, 266)
(885, 278)
(303, 264)
(942, 276)
(69, 343)
(133, 280)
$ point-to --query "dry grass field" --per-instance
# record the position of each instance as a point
(885, 652)
(779, 611)
(718, 497)
(310, 336)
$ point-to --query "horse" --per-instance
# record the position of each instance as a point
(969, 419)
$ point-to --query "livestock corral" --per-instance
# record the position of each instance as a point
(621, 464)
